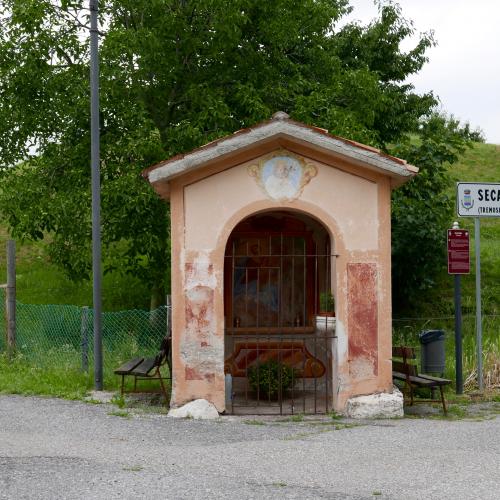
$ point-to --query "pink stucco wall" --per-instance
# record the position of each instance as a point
(352, 203)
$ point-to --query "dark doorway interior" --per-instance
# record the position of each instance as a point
(277, 283)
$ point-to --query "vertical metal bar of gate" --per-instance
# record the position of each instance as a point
(292, 298)
(315, 378)
(280, 377)
(293, 380)
(326, 373)
(280, 287)
(305, 285)
(303, 380)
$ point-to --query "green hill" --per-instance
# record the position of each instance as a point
(480, 164)
(41, 282)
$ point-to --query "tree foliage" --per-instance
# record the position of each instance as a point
(174, 75)
(422, 209)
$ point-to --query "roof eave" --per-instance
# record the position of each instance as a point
(395, 168)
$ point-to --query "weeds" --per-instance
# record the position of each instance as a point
(254, 422)
(118, 400)
(133, 468)
(456, 411)
(335, 416)
(120, 413)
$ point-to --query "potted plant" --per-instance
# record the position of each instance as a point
(265, 378)
(325, 319)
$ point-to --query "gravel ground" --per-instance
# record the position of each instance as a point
(51, 449)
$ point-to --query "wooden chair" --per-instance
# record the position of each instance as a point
(405, 369)
(148, 369)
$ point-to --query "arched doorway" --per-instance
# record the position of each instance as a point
(279, 314)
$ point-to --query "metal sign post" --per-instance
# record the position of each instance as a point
(458, 264)
(478, 199)
(11, 298)
(479, 320)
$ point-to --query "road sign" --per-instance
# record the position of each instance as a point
(458, 251)
(478, 199)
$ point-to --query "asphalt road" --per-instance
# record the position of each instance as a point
(56, 449)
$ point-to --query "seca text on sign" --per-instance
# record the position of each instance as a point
(476, 199)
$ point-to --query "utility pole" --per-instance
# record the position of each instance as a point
(96, 192)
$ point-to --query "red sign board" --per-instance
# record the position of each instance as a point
(458, 251)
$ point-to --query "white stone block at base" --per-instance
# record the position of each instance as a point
(197, 409)
(380, 405)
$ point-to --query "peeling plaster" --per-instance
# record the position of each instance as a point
(201, 349)
(341, 339)
(363, 320)
(200, 272)
(361, 367)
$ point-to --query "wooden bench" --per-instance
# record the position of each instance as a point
(405, 369)
(148, 369)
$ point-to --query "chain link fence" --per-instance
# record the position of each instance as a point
(63, 334)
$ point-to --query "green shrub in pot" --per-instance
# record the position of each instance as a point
(265, 377)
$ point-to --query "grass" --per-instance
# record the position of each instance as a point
(120, 413)
(254, 422)
(118, 400)
(133, 468)
(59, 375)
(299, 417)
(479, 164)
(39, 281)
(20, 376)
(335, 416)
(406, 333)
(456, 411)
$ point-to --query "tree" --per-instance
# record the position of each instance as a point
(422, 209)
(174, 75)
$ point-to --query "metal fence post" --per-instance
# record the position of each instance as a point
(85, 338)
(169, 315)
(11, 297)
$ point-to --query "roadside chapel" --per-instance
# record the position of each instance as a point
(281, 251)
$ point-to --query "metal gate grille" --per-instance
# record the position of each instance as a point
(277, 358)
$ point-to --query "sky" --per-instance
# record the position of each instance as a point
(464, 68)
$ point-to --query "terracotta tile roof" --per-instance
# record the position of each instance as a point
(283, 117)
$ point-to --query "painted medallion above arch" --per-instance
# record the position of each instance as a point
(282, 175)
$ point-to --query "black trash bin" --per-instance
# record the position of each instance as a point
(432, 357)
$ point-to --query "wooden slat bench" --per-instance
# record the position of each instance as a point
(148, 369)
(405, 369)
